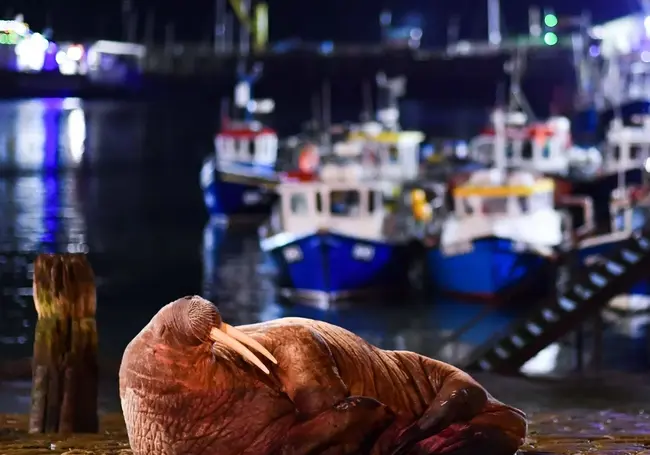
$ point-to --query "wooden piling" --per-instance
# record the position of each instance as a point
(64, 370)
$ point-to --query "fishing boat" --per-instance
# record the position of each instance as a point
(625, 163)
(389, 155)
(239, 179)
(503, 229)
(514, 141)
(547, 148)
(331, 238)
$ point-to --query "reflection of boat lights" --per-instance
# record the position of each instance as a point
(76, 129)
(30, 134)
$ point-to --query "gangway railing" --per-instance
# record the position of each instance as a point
(587, 293)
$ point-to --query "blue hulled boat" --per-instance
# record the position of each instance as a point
(329, 240)
(502, 231)
(239, 179)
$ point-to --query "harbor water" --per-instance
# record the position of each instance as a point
(121, 182)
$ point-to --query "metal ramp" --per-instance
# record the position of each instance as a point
(590, 290)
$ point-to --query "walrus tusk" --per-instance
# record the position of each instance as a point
(218, 335)
(247, 340)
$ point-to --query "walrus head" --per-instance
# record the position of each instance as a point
(179, 370)
(193, 320)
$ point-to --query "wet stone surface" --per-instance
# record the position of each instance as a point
(570, 432)
(595, 415)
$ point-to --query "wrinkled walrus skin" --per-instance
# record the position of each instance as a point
(330, 393)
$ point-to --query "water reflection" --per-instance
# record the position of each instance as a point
(149, 242)
(437, 330)
(41, 134)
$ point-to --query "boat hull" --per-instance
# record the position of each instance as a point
(488, 269)
(329, 266)
(234, 197)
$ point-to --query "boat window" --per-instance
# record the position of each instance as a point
(468, 207)
(373, 200)
(393, 153)
(299, 205)
(319, 202)
(495, 205)
(524, 203)
(546, 148)
(344, 203)
(250, 148)
(226, 147)
(527, 149)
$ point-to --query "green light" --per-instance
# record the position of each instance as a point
(550, 20)
(550, 39)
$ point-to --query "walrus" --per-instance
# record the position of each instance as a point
(191, 384)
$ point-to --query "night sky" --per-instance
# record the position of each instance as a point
(311, 20)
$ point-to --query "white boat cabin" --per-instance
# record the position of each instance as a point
(242, 146)
(493, 203)
(389, 155)
(513, 142)
(340, 201)
(628, 147)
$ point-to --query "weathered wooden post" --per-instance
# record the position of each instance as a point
(64, 370)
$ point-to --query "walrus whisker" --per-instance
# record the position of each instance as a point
(221, 337)
(247, 340)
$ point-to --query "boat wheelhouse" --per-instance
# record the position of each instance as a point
(389, 155)
(503, 229)
(546, 148)
(543, 147)
(331, 239)
(238, 180)
(625, 163)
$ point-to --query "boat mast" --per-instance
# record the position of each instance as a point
(516, 68)
(326, 100)
(390, 90)
(244, 88)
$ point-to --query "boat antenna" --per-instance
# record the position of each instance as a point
(367, 102)
(326, 100)
(516, 68)
(316, 114)
(244, 87)
(390, 91)
(225, 107)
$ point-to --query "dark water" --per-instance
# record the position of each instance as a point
(120, 181)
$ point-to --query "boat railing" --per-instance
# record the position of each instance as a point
(260, 150)
(623, 203)
(586, 205)
(485, 200)
(623, 142)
